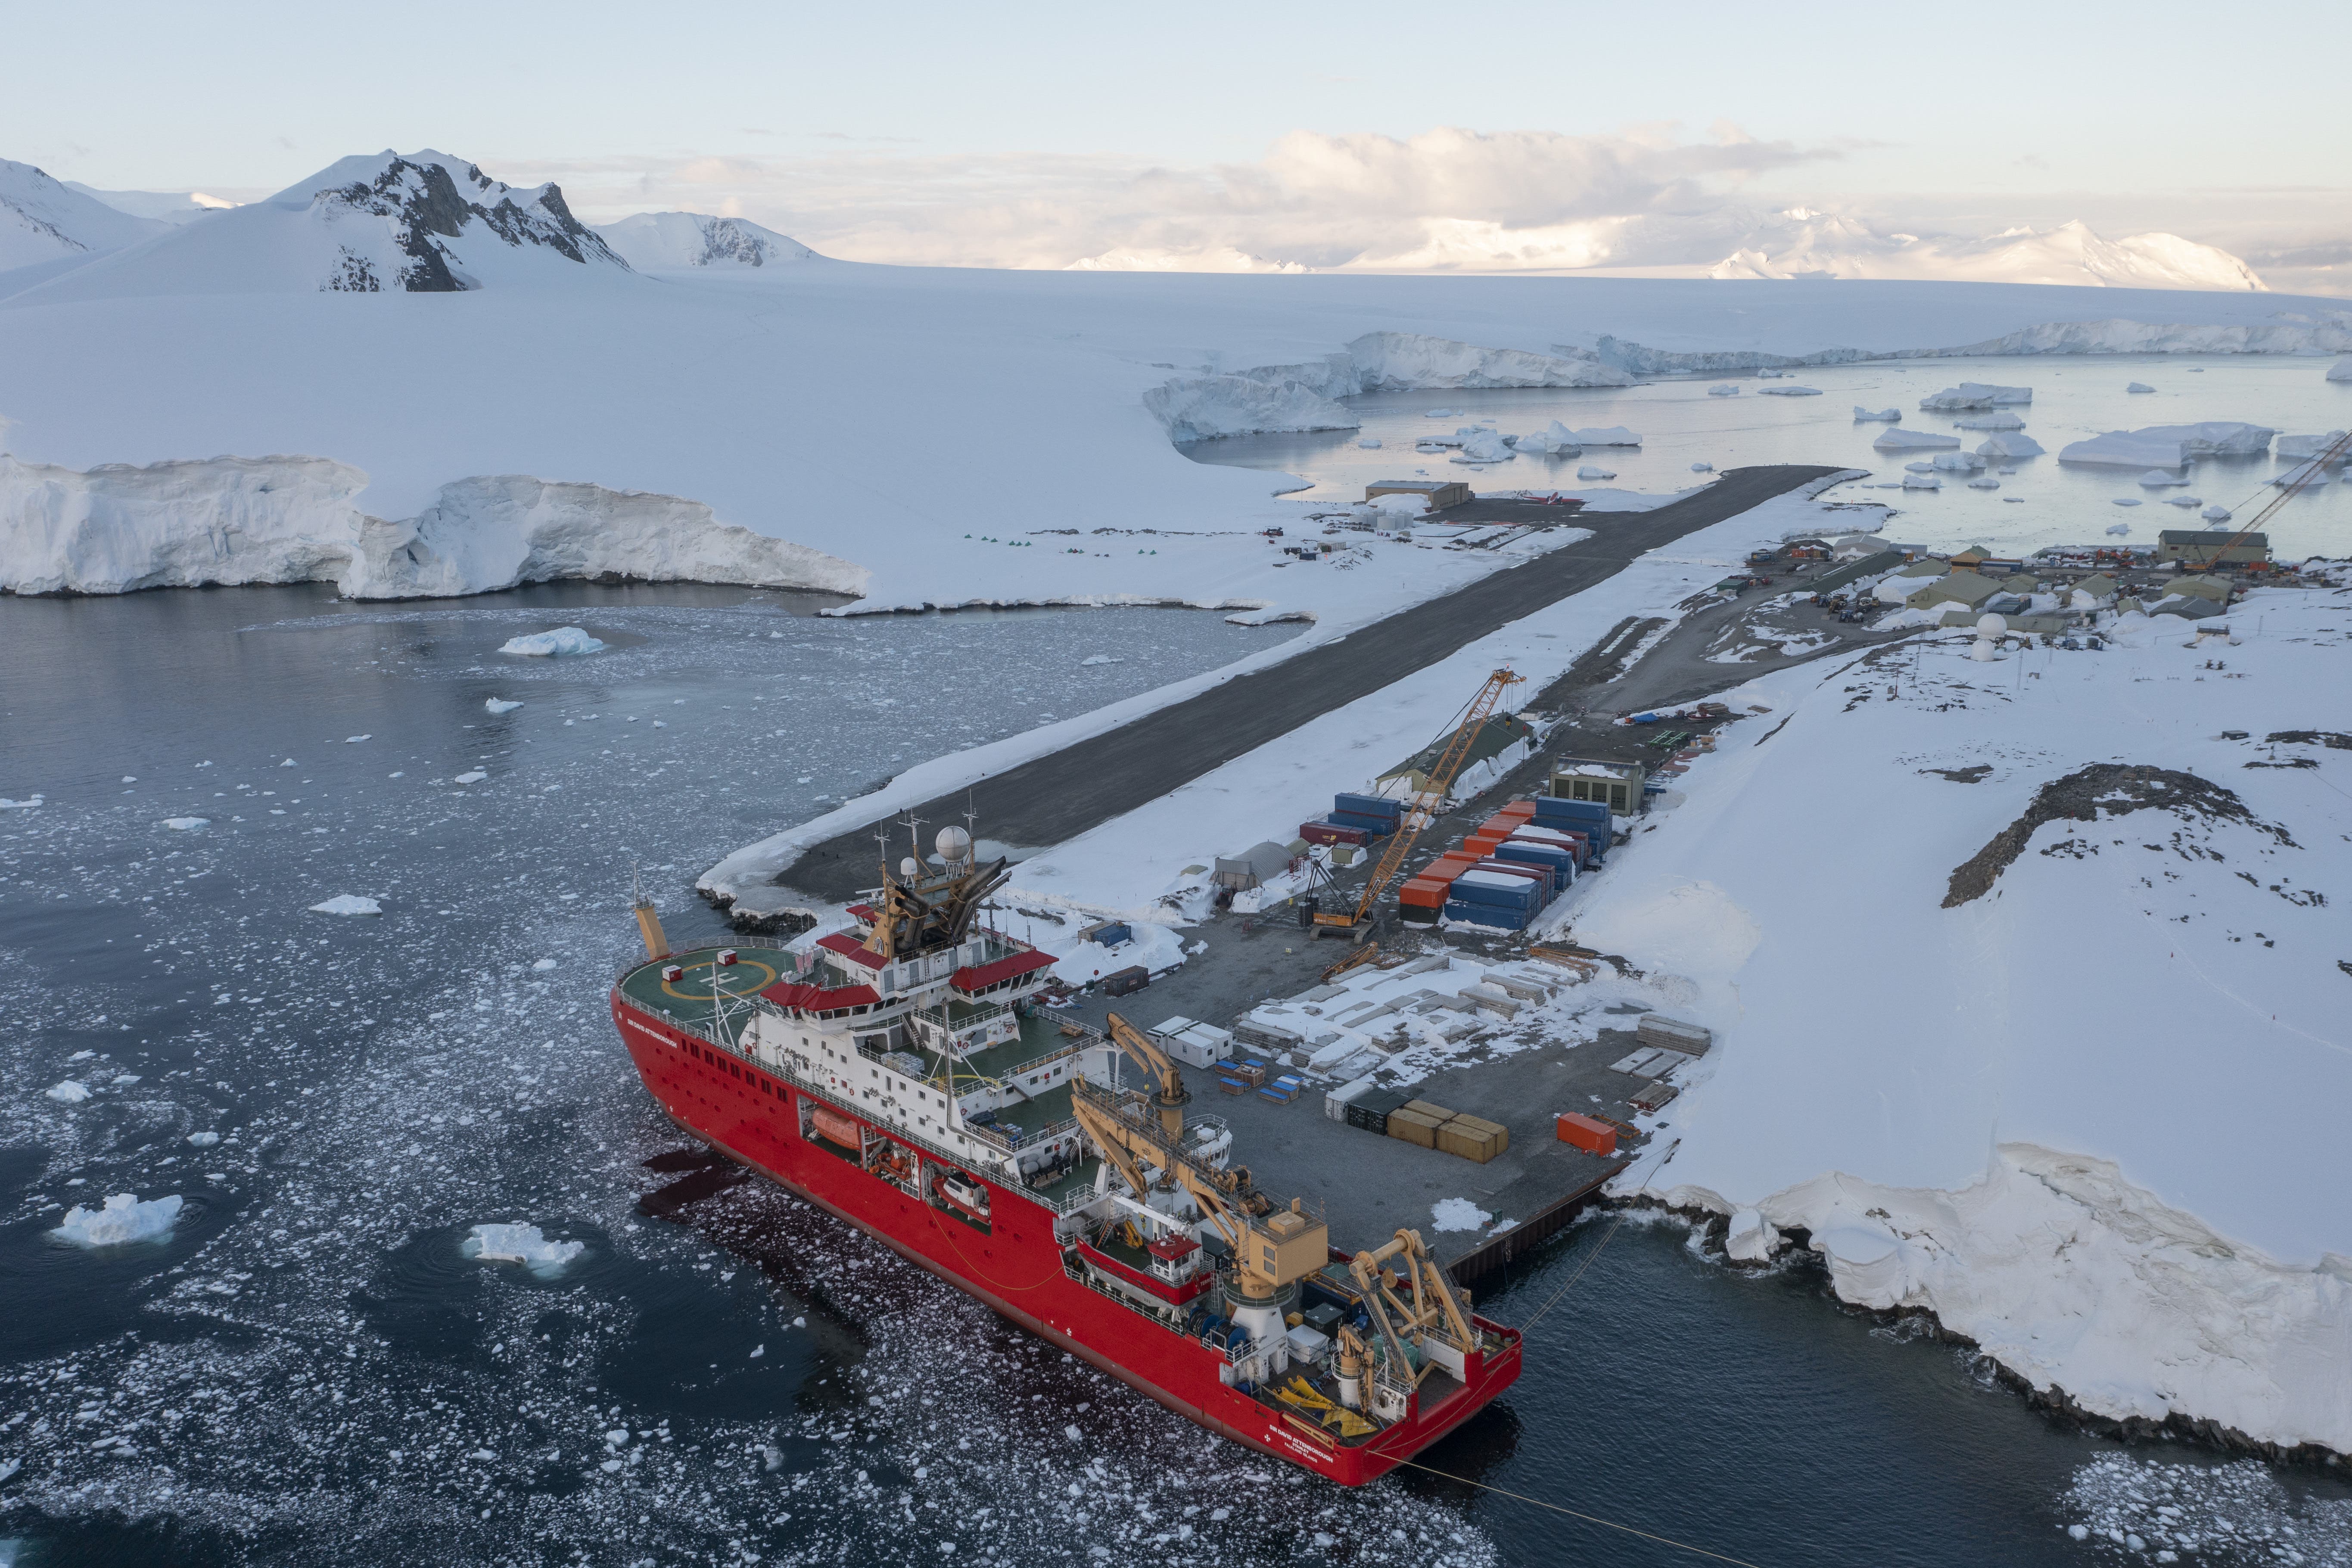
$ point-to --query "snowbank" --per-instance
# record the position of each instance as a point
(116, 529)
(123, 1220)
(563, 642)
(2019, 1167)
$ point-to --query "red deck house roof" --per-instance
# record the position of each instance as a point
(821, 1000)
(974, 979)
(848, 946)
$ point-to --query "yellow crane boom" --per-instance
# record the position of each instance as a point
(1172, 1097)
(2314, 470)
(1425, 805)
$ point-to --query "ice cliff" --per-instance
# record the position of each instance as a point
(1303, 397)
(116, 528)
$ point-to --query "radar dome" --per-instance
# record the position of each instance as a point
(1992, 626)
(910, 869)
(954, 844)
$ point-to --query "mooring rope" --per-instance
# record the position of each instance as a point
(1587, 1518)
(1572, 1278)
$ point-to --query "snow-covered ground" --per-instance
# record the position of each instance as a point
(2083, 1097)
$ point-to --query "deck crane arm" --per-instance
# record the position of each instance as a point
(2312, 470)
(1171, 1096)
(1426, 804)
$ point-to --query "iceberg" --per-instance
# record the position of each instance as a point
(1483, 447)
(1899, 439)
(2123, 449)
(1723, 389)
(1370, 443)
(2184, 501)
(1702, 468)
(2341, 370)
(563, 642)
(2305, 473)
(2120, 529)
(118, 528)
(523, 1244)
(2169, 446)
(69, 1093)
(1892, 416)
(186, 824)
(2139, 386)
(348, 904)
(499, 705)
(1610, 436)
(1554, 437)
(1975, 394)
(1990, 422)
(2158, 479)
(1590, 472)
(1955, 462)
(123, 1220)
(1984, 484)
(2009, 446)
(1922, 482)
(2301, 446)
(1788, 392)
(2215, 513)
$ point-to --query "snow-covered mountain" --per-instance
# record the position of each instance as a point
(388, 222)
(42, 219)
(1802, 244)
(657, 242)
(175, 208)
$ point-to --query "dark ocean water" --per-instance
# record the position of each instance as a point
(308, 1370)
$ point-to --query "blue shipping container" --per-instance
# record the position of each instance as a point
(1559, 862)
(1369, 805)
(1553, 808)
(1493, 915)
(1113, 935)
(1529, 893)
(1377, 827)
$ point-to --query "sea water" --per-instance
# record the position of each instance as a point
(2044, 502)
(310, 1368)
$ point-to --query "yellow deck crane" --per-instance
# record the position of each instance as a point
(1168, 1101)
(1357, 924)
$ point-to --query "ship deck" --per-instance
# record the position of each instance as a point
(691, 998)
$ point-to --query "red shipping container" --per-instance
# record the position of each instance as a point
(1498, 826)
(1482, 843)
(1447, 867)
(1521, 810)
(1422, 893)
(1593, 1137)
(1331, 833)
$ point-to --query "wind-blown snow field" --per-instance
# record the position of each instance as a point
(2083, 1097)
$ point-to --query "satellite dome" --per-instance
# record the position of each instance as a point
(910, 869)
(1992, 626)
(954, 844)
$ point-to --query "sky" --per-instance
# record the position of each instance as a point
(1027, 135)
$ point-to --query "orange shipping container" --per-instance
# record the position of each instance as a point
(1519, 811)
(1422, 894)
(1482, 843)
(1593, 1137)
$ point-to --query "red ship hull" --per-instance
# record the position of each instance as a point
(1015, 1265)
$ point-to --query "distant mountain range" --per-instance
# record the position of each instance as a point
(387, 222)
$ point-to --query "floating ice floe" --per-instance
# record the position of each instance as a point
(1456, 1214)
(544, 965)
(2184, 501)
(348, 904)
(1899, 439)
(1921, 467)
(1702, 468)
(1955, 462)
(1788, 392)
(1554, 437)
(2216, 513)
(1984, 484)
(355, 740)
(474, 776)
(1607, 436)
(563, 642)
(186, 824)
(1590, 472)
(2158, 479)
(2139, 386)
(523, 1244)
(2124, 501)
(1892, 416)
(2012, 445)
(203, 1140)
(69, 1093)
(1975, 394)
(1990, 422)
(1443, 414)
(2169, 446)
(499, 705)
(1723, 389)
(122, 1220)
(1370, 443)
(2120, 529)
(2341, 370)
(1922, 482)
(2302, 473)
(1102, 658)
(28, 804)
(2300, 447)
(1483, 447)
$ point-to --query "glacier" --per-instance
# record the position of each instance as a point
(117, 528)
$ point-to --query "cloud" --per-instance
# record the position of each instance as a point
(1318, 199)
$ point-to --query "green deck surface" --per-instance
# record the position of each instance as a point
(689, 998)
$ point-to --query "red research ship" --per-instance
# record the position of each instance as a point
(900, 1076)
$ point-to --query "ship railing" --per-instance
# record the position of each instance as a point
(1164, 1315)
(1050, 1058)
(754, 943)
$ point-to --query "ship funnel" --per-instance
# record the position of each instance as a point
(954, 845)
